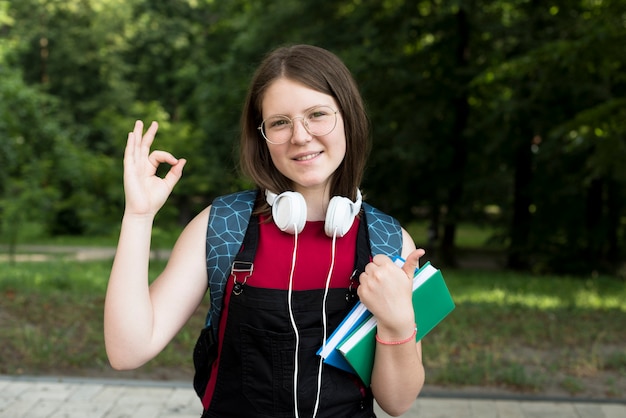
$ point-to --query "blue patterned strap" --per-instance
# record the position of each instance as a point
(385, 233)
(228, 221)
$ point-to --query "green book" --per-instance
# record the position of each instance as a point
(432, 302)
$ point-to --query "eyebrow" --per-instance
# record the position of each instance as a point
(305, 110)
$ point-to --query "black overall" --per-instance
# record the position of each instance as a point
(256, 372)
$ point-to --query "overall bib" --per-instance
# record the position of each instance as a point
(254, 373)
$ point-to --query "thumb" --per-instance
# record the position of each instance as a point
(412, 262)
(175, 172)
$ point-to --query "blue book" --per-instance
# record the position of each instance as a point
(328, 352)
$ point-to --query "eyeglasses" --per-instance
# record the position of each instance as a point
(319, 121)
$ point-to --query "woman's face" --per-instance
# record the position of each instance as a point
(309, 161)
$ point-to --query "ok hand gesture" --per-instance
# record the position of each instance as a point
(146, 192)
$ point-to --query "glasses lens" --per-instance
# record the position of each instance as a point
(321, 120)
(317, 121)
(277, 129)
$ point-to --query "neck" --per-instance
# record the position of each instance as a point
(316, 202)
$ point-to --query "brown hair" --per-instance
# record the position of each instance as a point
(319, 70)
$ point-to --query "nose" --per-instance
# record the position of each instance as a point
(300, 133)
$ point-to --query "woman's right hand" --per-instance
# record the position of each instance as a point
(146, 192)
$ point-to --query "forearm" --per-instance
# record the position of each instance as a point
(398, 376)
(128, 314)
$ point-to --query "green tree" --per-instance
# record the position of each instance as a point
(564, 63)
(513, 105)
(27, 194)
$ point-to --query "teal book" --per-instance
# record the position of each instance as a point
(432, 302)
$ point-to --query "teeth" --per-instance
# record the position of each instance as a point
(308, 157)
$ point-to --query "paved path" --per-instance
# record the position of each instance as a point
(35, 253)
(24, 397)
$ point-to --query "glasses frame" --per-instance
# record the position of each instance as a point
(293, 123)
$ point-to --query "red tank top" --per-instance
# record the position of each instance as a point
(314, 256)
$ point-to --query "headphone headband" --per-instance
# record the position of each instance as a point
(289, 212)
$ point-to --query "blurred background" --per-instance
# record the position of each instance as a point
(508, 114)
(498, 140)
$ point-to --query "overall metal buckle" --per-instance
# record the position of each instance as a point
(240, 267)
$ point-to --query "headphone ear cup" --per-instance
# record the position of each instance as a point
(340, 216)
(289, 212)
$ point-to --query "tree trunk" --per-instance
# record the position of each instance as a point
(518, 255)
(614, 203)
(594, 222)
(459, 144)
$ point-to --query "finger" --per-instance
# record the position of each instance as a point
(148, 138)
(380, 259)
(157, 157)
(175, 173)
(412, 262)
(130, 148)
(137, 134)
(138, 129)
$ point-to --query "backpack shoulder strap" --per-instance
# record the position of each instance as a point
(228, 220)
(384, 232)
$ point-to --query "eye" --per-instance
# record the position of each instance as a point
(278, 123)
(318, 113)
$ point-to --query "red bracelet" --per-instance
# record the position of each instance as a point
(412, 337)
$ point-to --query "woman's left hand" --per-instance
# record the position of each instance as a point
(386, 290)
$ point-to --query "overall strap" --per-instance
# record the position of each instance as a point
(228, 221)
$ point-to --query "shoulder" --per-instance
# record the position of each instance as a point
(383, 223)
(408, 244)
(228, 208)
(196, 228)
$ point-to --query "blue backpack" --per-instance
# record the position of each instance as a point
(228, 223)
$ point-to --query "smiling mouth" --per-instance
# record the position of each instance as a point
(307, 157)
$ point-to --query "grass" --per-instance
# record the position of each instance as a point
(509, 330)
(468, 236)
(51, 316)
(162, 237)
(520, 331)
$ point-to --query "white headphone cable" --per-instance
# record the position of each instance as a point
(293, 324)
(324, 321)
(295, 327)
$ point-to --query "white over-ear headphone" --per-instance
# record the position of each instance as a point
(289, 212)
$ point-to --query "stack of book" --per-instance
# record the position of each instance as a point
(352, 345)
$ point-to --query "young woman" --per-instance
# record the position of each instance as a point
(304, 143)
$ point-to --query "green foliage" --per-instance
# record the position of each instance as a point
(504, 114)
(26, 192)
